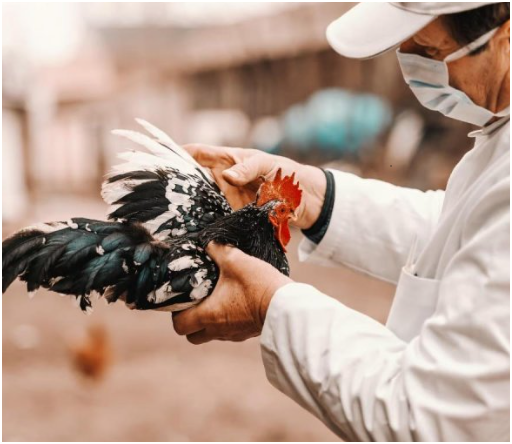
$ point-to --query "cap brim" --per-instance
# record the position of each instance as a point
(370, 29)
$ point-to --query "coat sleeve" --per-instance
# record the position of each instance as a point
(376, 245)
(450, 383)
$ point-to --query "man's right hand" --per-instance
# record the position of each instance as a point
(240, 171)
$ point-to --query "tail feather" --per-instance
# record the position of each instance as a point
(41, 264)
(117, 260)
(75, 258)
(18, 246)
(166, 140)
(155, 132)
(17, 251)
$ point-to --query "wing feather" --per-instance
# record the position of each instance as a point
(163, 188)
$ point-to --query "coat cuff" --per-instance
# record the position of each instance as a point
(317, 231)
(323, 252)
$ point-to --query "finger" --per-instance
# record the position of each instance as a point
(250, 169)
(207, 155)
(199, 337)
(187, 322)
(218, 252)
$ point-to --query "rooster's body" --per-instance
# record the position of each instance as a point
(165, 209)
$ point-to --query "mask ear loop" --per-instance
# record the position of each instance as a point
(465, 50)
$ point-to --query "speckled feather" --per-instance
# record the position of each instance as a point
(165, 189)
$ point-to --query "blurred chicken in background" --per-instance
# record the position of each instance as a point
(92, 356)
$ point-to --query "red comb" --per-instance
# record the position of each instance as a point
(280, 189)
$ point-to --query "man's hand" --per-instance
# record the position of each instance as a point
(236, 310)
(239, 173)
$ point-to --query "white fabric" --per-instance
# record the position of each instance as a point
(440, 369)
(439, 8)
(371, 28)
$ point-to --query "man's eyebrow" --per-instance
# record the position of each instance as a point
(418, 40)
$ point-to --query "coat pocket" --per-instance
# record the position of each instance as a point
(415, 301)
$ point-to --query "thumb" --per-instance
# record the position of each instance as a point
(218, 252)
(246, 171)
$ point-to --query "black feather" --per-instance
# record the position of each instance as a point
(19, 245)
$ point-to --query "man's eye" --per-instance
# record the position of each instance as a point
(431, 51)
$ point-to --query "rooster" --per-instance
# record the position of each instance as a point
(92, 356)
(164, 210)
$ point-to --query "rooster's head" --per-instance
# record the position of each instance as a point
(286, 195)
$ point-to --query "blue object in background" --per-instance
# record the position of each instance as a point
(335, 121)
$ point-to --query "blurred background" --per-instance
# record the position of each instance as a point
(242, 74)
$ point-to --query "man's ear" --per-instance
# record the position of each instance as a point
(500, 42)
(503, 33)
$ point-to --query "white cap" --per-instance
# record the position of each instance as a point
(372, 28)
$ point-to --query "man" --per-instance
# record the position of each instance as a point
(439, 369)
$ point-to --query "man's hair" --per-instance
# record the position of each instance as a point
(467, 26)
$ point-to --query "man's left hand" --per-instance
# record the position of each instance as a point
(236, 309)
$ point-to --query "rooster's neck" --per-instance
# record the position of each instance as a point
(250, 230)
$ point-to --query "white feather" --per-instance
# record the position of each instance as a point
(161, 155)
(154, 131)
(112, 192)
(201, 291)
(162, 235)
(166, 139)
(154, 224)
(182, 263)
(54, 280)
(158, 295)
(176, 181)
(198, 277)
(138, 160)
(178, 232)
(151, 144)
(171, 151)
(161, 294)
(178, 199)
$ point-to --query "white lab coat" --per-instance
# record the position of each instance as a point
(439, 370)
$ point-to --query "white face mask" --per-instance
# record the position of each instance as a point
(429, 81)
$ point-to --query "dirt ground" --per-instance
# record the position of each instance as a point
(159, 387)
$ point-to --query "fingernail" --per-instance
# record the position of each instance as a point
(232, 173)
